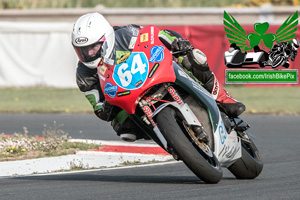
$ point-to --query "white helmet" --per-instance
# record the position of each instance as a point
(89, 33)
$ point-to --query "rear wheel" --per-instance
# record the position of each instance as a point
(198, 157)
(250, 165)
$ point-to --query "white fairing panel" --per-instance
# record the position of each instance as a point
(227, 146)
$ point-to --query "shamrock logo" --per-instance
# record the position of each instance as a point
(267, 38)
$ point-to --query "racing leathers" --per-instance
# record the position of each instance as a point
(192, 60)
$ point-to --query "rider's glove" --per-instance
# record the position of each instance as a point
(106, 112)
(181, 45)
(101, 114)
(195, 60)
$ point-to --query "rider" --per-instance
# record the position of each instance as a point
(286, 49)
(92, 31)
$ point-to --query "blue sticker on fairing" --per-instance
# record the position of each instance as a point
(157, 54)
(110, 90)
(222, 133)
(132, 74)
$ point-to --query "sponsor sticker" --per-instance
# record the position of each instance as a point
(175, 96)
(144, 37)
(103, 70)
(110, 90)
(157, 54)
(102, 78)
(138, 83)
(222, 133)
(120, 94)
(135, 32)
(216, 89)
(108, 61)
(147, 110)
(152, 34)
(123, 58)
(132, 42)
(153, 70)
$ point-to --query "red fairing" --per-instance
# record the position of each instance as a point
(149, 64)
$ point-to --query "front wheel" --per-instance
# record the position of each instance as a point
(171, 126)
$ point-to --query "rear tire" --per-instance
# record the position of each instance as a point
(250, 165)
(206, 168)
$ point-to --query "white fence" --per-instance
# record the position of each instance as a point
(36, 53)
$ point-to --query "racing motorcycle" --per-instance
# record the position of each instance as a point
(174, 110)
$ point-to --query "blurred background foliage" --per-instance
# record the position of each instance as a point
(33, 4)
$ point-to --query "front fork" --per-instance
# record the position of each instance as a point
(147, 105)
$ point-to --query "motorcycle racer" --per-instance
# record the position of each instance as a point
(96, 41)
(284, 50)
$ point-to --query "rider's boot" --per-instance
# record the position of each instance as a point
(227, 103)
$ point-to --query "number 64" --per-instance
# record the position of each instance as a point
(125, 75)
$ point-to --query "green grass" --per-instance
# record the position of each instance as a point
(39, 100)
(270, 100)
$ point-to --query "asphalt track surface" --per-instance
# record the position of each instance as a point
(278, 142)
(79, 126)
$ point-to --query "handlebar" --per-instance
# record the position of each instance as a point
(183, 51)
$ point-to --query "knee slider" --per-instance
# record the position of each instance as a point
(195, 59)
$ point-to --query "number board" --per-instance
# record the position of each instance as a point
(132, 74)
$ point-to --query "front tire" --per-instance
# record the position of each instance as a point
(206, 168)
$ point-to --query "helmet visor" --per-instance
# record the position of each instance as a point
(91, 52)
